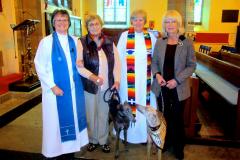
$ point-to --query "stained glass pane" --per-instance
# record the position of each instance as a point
(197, 11)
(121, 3)
(115, 11)
(109, 15)
(108, 3)
(121, 15)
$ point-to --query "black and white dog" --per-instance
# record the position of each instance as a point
(120, 114)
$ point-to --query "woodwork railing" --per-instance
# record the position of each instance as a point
(230, 57)
(227, 71)
(227, 57)
(224, 78)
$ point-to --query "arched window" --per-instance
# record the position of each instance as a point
(115, 12)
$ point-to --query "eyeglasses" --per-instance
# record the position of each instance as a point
(170, 21)
(61, 20)
(138, 19)
(94, 24)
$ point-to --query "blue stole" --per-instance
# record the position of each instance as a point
(62, 80)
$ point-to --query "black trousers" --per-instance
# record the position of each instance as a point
(173, 112)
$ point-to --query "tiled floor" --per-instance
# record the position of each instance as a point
(24, 134)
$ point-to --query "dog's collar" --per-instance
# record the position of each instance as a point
(153, 129)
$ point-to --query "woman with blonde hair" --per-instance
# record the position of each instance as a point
(172, 65)
(136, 47)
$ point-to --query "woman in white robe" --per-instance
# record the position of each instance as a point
(52, 145)
(136, 133)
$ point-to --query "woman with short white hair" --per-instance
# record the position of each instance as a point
(135, 48)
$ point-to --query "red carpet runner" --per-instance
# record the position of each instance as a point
(6, 80)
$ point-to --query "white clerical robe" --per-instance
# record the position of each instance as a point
(51, 140)
(136, 133)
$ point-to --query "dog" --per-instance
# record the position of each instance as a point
(156, 128)
(121, 116)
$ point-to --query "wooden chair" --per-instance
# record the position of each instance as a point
(205, 49)
(228, 49)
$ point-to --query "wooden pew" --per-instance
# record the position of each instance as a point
(224, 79)
(230, 57)
(227, 71)
(190, 111)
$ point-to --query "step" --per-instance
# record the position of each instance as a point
(5, 96)
(17, 103)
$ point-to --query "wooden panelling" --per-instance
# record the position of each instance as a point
(190, 111)
(1, 62)
(0, 5)
(1, 59)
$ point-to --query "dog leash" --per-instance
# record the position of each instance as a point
(163, 106)
(111, 93)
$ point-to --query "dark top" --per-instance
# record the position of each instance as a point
(168, 68)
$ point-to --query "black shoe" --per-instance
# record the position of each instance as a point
(91, 147)
(106, 148)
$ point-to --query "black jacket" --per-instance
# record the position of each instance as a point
(91, 61)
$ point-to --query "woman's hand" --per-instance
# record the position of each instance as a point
(98, 80)
(79, 63)
(160, 80)
(116, 85)
(171, 84)
(57, 91)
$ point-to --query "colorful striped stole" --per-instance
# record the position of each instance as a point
(130, 59)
